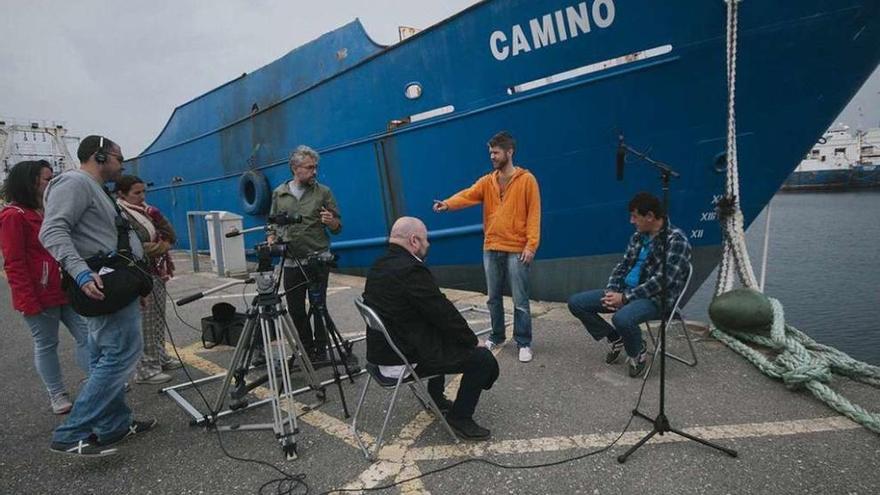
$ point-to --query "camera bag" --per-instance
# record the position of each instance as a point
(125, 278)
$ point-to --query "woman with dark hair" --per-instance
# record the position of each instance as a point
(35, 278)
(157, 236)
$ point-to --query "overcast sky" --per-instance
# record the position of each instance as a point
(120, 67)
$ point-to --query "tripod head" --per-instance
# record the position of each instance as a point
(266, 253)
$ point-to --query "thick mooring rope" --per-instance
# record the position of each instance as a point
(801, 362)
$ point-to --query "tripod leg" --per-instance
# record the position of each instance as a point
(337, 377)
(284, 425)
(730, 452)
(297, 348)
(244, 345)
(342, 347)
(621, 459)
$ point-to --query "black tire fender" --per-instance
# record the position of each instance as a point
(256, 195)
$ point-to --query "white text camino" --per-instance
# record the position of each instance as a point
(551, 28)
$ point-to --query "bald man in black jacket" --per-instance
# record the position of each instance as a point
(426, 327)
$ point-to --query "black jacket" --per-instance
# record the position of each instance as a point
(423, 323)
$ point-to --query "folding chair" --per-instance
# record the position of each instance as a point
(676, 315)
(409, 377)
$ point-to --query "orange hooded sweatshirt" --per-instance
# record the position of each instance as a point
(511, 222)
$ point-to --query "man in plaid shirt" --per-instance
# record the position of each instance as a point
(633, 292)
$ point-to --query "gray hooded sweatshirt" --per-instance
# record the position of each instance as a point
(80, 221)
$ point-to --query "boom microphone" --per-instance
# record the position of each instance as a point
(190, 298)
(621, 156)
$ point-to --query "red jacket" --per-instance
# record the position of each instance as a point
(34, 276)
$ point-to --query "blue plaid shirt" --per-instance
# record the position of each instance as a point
(677, 259)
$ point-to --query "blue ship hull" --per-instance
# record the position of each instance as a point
(344, 95)
(856, 177)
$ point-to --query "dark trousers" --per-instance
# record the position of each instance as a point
(479, 370)
(296, 304)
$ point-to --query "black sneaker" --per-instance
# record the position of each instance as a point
(638, 364)
(444, 404)
(137, 427)
(614, 353)
(82, 448)
(468, 429)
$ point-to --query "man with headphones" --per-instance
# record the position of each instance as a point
(80, 223)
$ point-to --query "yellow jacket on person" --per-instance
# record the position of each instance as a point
(512, 221)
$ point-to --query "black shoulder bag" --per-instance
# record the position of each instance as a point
(125, 278)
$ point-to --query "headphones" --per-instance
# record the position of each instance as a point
(100, 155)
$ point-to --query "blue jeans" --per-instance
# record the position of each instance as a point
(625, 323)
(44, 329)
(116, 343)
(501, 266)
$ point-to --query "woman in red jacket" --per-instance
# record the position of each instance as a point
(35, 278)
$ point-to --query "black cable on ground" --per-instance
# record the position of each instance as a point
(480, 460)
(294, 484)
(288, 484)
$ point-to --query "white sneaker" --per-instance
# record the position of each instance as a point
(154, 379)
(60, 403)
(488, 344)
(525, 354)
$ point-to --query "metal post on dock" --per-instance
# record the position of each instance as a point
(764, 256)
(218, 238)
(191, 232)
(218, 243)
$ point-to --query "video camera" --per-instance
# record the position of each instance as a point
(266, 252)
(322, 259)
(284, 219)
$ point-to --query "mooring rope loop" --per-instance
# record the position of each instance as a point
(800, 362)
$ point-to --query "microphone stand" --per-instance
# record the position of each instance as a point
(661, 421)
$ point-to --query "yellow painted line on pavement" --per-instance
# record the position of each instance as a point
(399, 460)
(392, 458)
(592, 441)
(374, 475)
(406, 467)
(314, 417)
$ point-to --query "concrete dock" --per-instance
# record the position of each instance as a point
(564, 404)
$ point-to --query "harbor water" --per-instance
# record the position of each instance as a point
(823, 267)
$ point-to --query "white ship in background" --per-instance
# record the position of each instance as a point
(841, 160)
(34, 140)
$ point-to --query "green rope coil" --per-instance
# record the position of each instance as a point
(801, 362)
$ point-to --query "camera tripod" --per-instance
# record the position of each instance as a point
(338, 349)
(268, 316)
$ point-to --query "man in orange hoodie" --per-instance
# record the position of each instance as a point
(512, 231)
